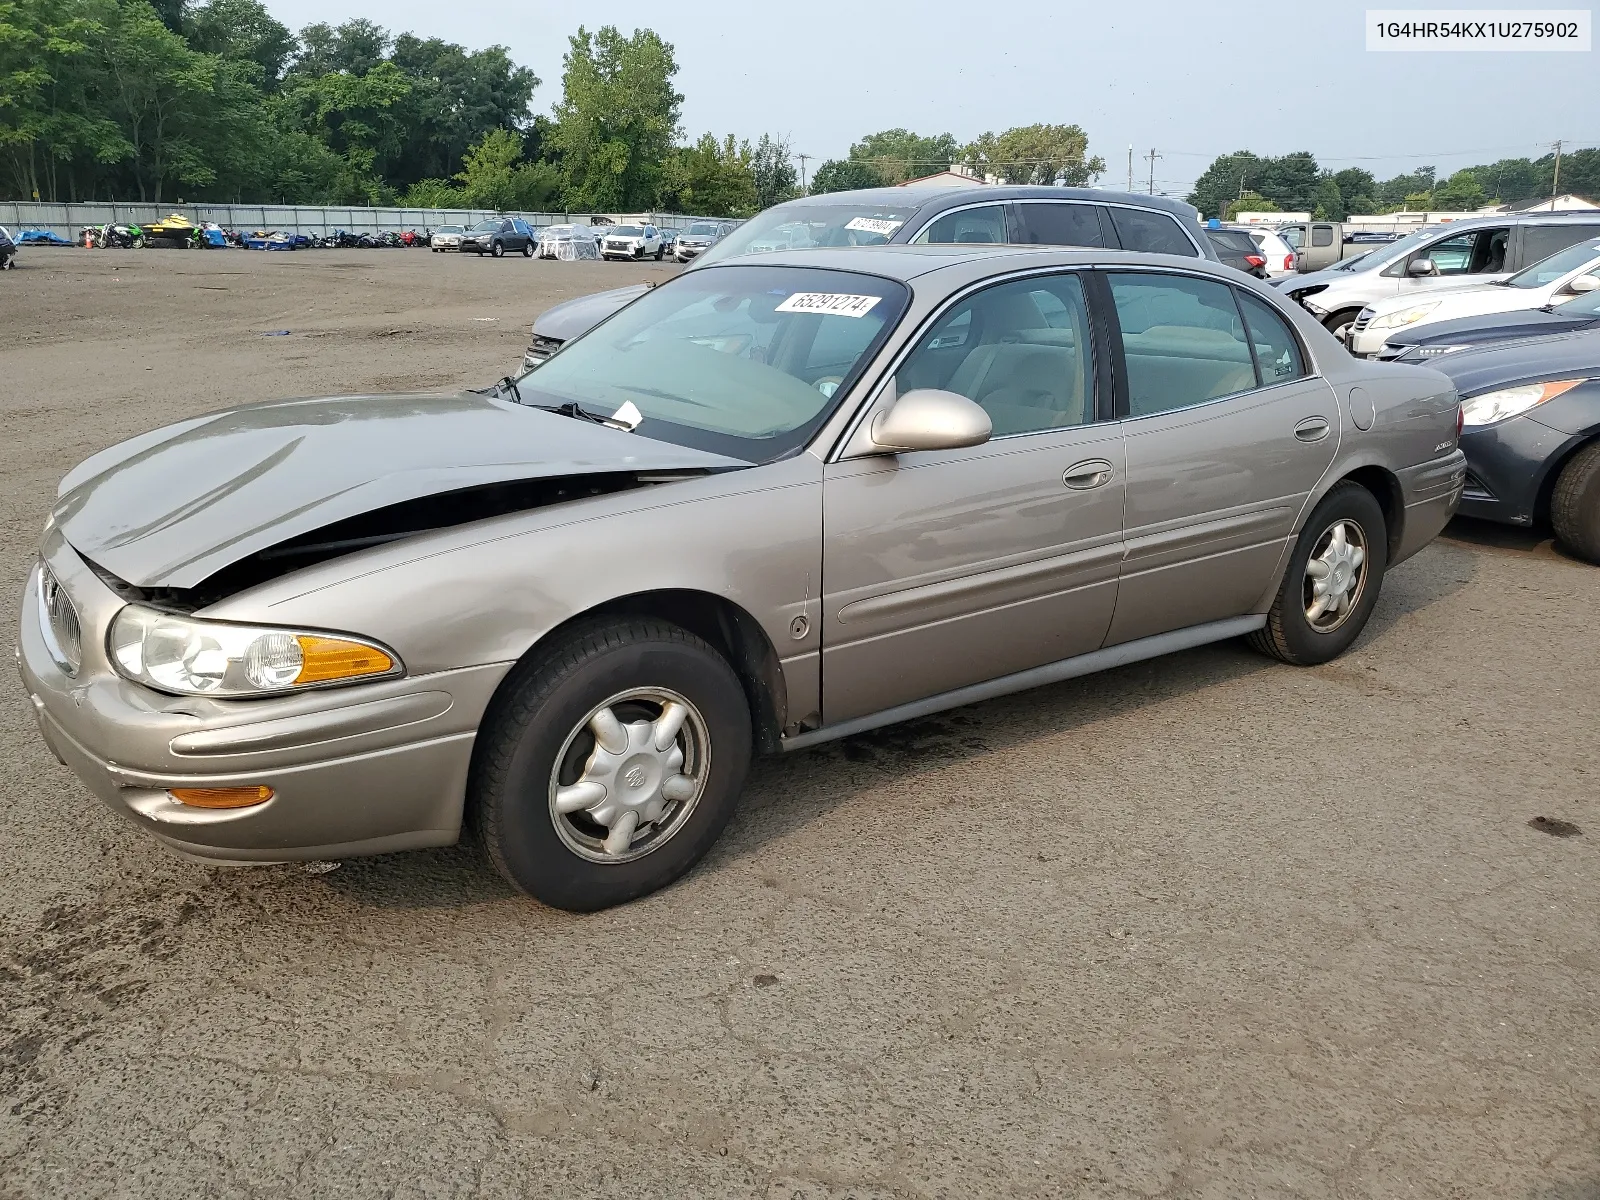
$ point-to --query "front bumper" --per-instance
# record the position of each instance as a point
(446, 244)
(1368, 342)
(1508, 464)
(475, 245)
(360, 770)
(687, 253)
(621, 251)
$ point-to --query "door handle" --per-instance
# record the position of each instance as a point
(1080, 477)
(1312, 429)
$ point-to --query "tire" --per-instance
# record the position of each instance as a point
(660, 253)
(497, 250)
(1339, 323)
(1575, 504)
(539, 717)
(1290, 635)
(527, 249)
(138, 243)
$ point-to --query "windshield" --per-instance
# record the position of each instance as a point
(450, 229)
(743, 361)
(486, 227)
(625, 231)
(703, 229)
(797, 226)
(1562, 262)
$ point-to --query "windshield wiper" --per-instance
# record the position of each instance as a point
(506, 385)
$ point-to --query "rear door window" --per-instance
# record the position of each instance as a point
(1049, 224)
(1150, 232)
(1539, 242)
(1183, 341)
(1278, 357)
(985, 223)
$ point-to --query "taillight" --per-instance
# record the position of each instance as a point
(1255, 260)
(1461, 420)
(1288, 262)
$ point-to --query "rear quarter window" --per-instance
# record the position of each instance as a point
(1150, 232)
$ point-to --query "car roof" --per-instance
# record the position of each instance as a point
(931, 198)
(905, 263)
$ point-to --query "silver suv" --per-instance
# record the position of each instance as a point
(1477, 250)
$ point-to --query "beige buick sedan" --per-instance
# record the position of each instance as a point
(772, 502)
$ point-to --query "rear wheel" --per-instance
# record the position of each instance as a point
(660, 252)
(611, 763)
(1333, 580)
(1575, 504)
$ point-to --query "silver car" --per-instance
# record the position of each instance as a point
(771, 503)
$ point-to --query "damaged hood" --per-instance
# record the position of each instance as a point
(172, 507)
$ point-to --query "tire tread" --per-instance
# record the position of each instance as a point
(1577, 523)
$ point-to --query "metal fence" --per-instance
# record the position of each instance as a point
(68, 219)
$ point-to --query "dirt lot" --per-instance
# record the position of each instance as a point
(1206, 926)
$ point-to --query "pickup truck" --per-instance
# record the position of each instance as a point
(1320, 244)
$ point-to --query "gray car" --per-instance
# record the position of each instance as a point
(776, 501)
(925, 215)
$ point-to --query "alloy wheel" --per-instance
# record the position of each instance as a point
(1336, 575)
(629, 775)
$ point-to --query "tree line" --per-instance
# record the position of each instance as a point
(1042, 154)
(1296, 183)
(176, 100)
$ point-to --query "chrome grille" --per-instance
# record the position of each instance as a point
(58, 621)
(1363, 319)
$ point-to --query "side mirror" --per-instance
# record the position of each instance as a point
(1421, 267)
(1583, 283)
(930, 419)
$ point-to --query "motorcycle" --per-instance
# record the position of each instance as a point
(120, 237)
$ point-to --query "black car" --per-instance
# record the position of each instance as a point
(1238, 249)
(1425, 343)
(1531, 434)
(497, 235)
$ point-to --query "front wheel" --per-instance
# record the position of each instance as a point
(1575, 504)
(527, 249)
(1339, 324)
(1333, 580)
(138, 243)
(497, 250)
(610, 763)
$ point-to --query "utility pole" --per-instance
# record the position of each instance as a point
(1130, 166)
(1555, 182)
(803, 157)
(1152, 156)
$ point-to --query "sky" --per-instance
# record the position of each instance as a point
(1190, 80)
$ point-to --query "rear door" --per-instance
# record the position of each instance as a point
(1149, 232)
(947, 568)
(1226, 436)
(1060, 223)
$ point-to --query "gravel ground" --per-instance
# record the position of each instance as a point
(1206, 926)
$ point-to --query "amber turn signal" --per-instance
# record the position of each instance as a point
(224, 797)
(325, 658)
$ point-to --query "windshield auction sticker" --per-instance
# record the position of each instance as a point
(833, 304)
(1479, 29)
(873, 225)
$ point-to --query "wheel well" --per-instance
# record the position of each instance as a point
(730, 630)
(1385, 488)
(1547, 486)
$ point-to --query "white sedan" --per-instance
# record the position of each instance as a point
(1564, 274)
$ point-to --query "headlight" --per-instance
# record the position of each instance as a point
(1492, 407)
(1435, 351)
(193, 657)
(1404, 316)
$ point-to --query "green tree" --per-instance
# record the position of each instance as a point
(898, 154)
(1249, 202)
(772, 171)
(1394, 191)
(1418, 202)
(844, 175)
(1353, 181)
(1223, 181)
(242, 31)
(711, 178)
(354, 116)
(1460, 193)
(1039, 154)
(494, 175)
(617, 119)
(456, 98)
(1327, 199)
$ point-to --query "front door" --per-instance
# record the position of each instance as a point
(1226, 437)
(946, 568)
